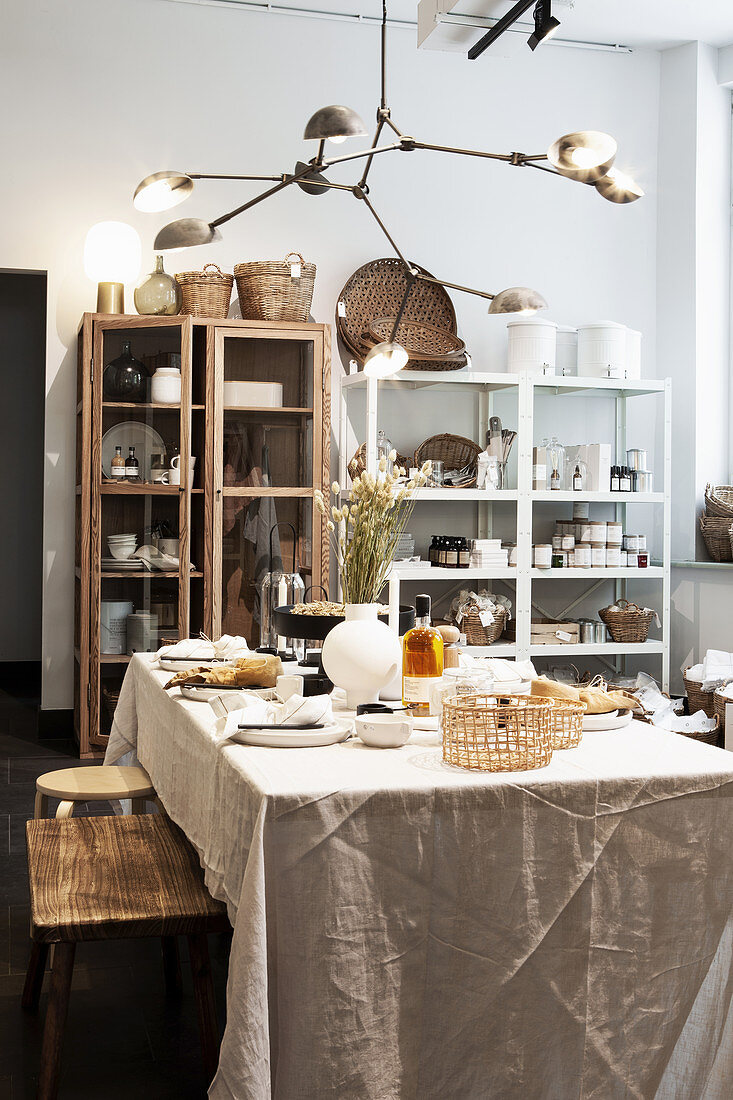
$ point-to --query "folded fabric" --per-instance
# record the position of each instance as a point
(153, 558)
(297, 711)
(717, 667)
(201, 649)
(230, 645)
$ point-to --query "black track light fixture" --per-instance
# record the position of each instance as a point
(545, 24)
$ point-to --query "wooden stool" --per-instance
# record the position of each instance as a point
(93, 784)
(103, 878)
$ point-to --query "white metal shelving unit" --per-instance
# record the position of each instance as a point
(527, 387)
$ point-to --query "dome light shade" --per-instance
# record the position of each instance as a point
(385, 359)
(517, 299)
(162, 191)
(112, 253)
(335, 123)
(618, 187)
(185, 233)
(585, 156)
(310, 183)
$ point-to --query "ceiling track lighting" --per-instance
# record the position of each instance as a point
(586, 156)
(545, 24)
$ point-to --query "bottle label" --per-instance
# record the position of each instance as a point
(131, 471)
(416, 689)
(119, 471)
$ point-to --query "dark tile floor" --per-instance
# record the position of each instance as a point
(124, 1037)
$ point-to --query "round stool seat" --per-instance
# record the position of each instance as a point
(102, 783)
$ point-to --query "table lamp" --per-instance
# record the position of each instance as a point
(112, 257)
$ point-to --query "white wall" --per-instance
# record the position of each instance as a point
(97, 94)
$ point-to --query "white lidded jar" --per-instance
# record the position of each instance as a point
(532, 346)
(165, 386)
(602, 350)
(566, 350)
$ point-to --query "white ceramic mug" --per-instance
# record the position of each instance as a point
(384, 731)
(169, 546)
(174, 474)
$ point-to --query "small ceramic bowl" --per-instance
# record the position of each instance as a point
(122, 550)
(384, 731)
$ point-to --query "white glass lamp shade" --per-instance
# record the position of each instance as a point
(112, 253)
(385, 359)
(162, 191)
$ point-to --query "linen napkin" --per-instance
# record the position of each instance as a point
(201, 649)
(297, 711)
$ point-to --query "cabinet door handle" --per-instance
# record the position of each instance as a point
(218, 492)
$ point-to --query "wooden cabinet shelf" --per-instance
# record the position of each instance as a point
(147, 405)
(263, 411)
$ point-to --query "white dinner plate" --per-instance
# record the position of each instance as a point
(295, 739)
(173, 664)
(131, 433)
(613, 721)
(201, 693)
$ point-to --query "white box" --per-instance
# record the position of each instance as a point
(540, 479)
(253, 395)
(597, 460)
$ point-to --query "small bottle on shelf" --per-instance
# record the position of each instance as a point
(132, 466)
(442, 551)
(117, 465)
(464, 554)
(625, 481)
(555, 478)
(422, 660)
(433, 551)
(615, 479)
(451, 554)
(577, 480)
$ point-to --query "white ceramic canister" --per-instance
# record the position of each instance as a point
(532, 345)
(631, 543)
(113, 625)
(632, 559)
(623, 559)
(581, 509)
(598, 557)
(642, 543)
(543, 555)
(633, 353)
(557, 542)
(598, 532)
(583, 555)
(165, 386)
(566, 344)
(142, 632)
(602, 350)
(583, 532)
(613, 557)
(568, 542)
(614, 534)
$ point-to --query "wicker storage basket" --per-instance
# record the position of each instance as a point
(478, 634)
(423, 343)
(454, 451)
(720, 704)
(716, 534)
(497, 733)
(206, 293)
(111, 698)
(711, 737)
(629, 624)
(268, 291)
(719, 501)
(357, 465)
(697, 698)
(567, 723)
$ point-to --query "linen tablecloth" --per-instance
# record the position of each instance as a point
(404, 929)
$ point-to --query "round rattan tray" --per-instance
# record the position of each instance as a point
(420, 340)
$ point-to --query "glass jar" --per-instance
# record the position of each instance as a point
(459, 681)
(125, 378)
(556, 463)
(384, 447)
(159, 294)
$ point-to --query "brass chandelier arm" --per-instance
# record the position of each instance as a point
(508, 157)
(359, 194)
(284, 182)
(454, 286)
(207, 176)
(375, 142)
(330, 161)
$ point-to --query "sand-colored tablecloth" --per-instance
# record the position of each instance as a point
(403, 929)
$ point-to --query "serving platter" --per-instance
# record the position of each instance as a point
(181, 664)
(132, 433)
(305, 739)
(615, 720)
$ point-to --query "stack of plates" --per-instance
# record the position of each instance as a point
(128, 565)
(405, 547)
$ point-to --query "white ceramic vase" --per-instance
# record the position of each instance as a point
(361, 655)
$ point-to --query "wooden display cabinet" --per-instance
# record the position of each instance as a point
(255, 466)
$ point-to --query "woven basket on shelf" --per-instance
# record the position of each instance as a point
(270, 291)
(497, 733)
(454, 451)
(698, 699)
(716, 534)
(720, 704)
(357, 465)
(425, 344)
(478, 634)
(567, 724)
(719, 500)
(629, 624)
(206, 293)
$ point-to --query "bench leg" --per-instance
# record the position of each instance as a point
(41, 806)
(171, 966)
(65, 809)
(34, 977)
(203, 985)
(53, 1031)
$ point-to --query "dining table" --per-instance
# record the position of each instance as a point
(408, 930)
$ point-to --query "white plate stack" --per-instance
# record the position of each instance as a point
(487, 553)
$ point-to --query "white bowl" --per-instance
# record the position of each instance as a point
(122, 551)
(128, 537)
(384, 731)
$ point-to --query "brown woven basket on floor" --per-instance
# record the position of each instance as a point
(454, 451)
(719, 501)
(629, 624)
(268, 292)
(111, 698)
(720, 705)
(567, 724)
(425, 344)
(716, 535)
(697, 698)
(476, 633)
(206, 293)
(497, 733)
(711, 737)
(357, 465)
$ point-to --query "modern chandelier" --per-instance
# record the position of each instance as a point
(586, 156)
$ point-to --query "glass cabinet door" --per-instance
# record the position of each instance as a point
(271, 450)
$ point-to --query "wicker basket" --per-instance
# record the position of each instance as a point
(357, 465)
(697, 698)
(268, 291)
(425, 344)
(630, 624)
(716, 534)
(478, 634)
(111, 698)
(720, 704)
(497, 733)
(454, 451)
(206, 293)
(711, 737)
(567, 724)
(719, 500)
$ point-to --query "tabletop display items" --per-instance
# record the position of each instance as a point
(159, 294)
(422, 660)
(362, 655)
(125, 378)
(280, 589)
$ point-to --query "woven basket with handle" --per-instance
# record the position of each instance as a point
(454, 451)
(629, 624)
(276, 290)
(698, 699)
(357, 465)
(716, 534)
(719, 500)
(206, 293)
(478, 634)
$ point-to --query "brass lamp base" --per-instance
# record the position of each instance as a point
(110, 297)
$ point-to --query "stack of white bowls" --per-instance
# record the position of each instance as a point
(123, 546)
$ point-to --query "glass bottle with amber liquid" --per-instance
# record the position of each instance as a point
(422, 660)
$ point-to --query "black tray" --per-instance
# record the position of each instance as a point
(288, 625)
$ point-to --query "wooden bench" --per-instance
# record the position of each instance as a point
(104, 878)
